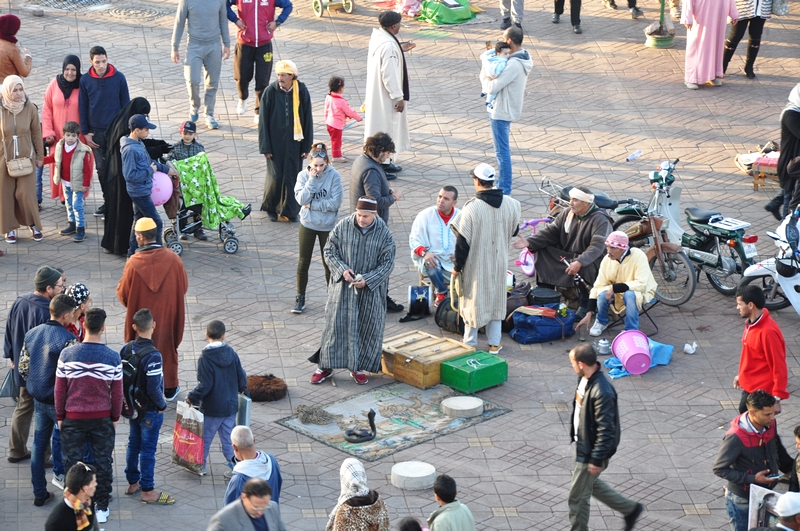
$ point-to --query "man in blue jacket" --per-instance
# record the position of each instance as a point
(251, 463)
(221, 378)
(137, 169)
(143, 437)
(28, 311)
(103, 93)
(38, 362)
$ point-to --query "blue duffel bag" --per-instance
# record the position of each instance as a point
(537, 329)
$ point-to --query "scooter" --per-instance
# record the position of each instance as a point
(779, 277)
(718, 245)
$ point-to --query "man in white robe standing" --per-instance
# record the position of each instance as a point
(484, 229)
(387, 85)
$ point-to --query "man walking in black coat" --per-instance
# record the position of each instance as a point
(596, 432)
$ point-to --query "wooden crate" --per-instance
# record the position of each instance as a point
(415, 357)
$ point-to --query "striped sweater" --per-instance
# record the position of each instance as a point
(88, 383)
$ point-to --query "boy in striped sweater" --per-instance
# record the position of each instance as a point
(88, 397)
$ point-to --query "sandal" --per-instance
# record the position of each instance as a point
(163, 499)
(129, 492)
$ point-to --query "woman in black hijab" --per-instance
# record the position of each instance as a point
(119, 207)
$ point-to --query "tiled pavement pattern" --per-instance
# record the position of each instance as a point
(591, 100)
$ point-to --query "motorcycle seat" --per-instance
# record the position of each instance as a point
(700, 215)
(601, 199)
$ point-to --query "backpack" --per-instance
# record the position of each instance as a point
(134, 388)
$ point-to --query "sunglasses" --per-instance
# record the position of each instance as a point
(320, 154)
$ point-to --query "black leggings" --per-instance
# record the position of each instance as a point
(756, 26)
(307, 238)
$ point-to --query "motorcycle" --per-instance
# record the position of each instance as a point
(779, 276)
(717, 245)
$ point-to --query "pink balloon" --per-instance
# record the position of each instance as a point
(162, 188)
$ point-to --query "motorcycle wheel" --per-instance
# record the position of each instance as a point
(677, 283)
(778, 301)
(623, 223)
(727, 279)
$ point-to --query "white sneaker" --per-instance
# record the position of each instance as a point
(102, 515)
(597, 328)
(241, 107)
(58, 481)
(255, 119)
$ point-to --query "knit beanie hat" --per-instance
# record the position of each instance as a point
(618, 240)
(46, 276)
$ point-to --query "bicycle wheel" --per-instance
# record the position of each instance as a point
(623, 223)
(776, 298)
(677, 281)
(728, 275)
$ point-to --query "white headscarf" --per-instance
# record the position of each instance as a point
(580, 195)
(794, 101)
(353, 479)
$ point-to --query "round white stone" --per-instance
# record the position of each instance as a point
(462, 407)
(413, 475)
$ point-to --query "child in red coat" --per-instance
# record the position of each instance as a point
(337, 111)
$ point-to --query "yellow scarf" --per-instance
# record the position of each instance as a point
(81, 511)
(298, 128)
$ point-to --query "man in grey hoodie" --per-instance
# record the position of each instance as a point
(251, 463)
(509, 87)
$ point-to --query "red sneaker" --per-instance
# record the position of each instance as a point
(320, 376)
(360, 377)
(439, 298)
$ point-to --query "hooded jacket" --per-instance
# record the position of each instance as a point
(28, 311)
(361, 512)
(101, 98)
(323, 196)
(264, 466)
(745, 453)
(509, 87)
(136, 167)
(256, 14)
(221, 378)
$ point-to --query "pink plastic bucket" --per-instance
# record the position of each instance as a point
(633, 350)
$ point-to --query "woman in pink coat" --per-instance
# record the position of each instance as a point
(60, 107)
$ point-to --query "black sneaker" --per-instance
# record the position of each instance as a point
(300, 303)
(630, 520)
(100, 212)
(505, 24)
(393, 307)
(80, 235)
(38, 502)
(70, 229)
(774, 209)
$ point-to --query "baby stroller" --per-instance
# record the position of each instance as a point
(198, 187)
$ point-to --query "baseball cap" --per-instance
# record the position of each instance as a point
(188, 127)
(788, 505)
(139, 121)
(484, 172)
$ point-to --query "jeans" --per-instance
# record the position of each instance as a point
(307, 237)
(738, 509)
(99, 153)
(223, 426)
(500, 132)
(142, 447)
(39, 184)
(583, 487)
(101, 433)
(248, 60)
(631, 310)
(143, 207)
(493, 332)
(436, 275)
(74, 204)
(45, 416)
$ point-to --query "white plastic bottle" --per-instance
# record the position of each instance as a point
(633, 156)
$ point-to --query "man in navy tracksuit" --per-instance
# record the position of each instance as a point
(143, 438)
(103, 93)
(137, 169)
(38, 362)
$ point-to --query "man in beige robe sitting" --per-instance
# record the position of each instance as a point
(483, 237)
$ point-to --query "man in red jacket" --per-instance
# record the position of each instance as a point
(763, 361)
(256, 25)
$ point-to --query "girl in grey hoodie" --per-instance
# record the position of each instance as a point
(319, 192)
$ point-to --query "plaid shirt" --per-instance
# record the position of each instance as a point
(180, 150)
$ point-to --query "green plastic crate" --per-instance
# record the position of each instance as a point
(474, 372)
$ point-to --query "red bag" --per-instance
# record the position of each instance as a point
(187, 439)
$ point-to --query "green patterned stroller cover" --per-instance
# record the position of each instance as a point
(199, 187)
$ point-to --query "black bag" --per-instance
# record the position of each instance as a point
(448, 319)
(134, 383)
(542, 296)
(519, 296)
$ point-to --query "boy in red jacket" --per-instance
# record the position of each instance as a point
(73, 170)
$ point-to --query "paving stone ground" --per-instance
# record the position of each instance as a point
(591, 100)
